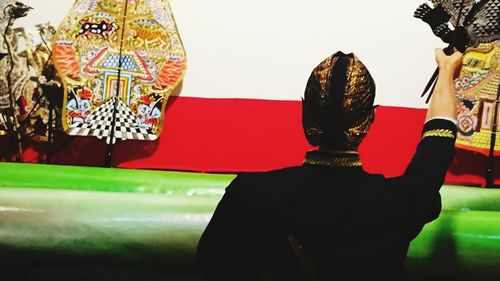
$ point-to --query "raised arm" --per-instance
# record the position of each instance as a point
(418, 187)
(435, 151)
(443, 102)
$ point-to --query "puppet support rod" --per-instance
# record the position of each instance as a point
(491, 156)
(111, 139)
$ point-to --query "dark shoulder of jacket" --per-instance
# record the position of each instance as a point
(256, 184)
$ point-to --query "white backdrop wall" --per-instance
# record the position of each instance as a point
(266, 49)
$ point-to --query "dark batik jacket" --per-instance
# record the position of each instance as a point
(326, 220)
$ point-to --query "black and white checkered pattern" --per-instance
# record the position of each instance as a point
(99, 124)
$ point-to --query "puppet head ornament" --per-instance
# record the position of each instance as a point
(338, 103)
(473, 22)
(17, 10)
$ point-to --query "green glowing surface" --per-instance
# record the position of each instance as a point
(55, 213)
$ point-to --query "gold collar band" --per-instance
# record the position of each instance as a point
(337, 159)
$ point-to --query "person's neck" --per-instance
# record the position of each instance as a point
(338, 149)
(333, 157)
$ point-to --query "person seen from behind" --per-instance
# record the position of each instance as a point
(329, 219)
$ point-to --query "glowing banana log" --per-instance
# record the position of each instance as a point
(118, 215)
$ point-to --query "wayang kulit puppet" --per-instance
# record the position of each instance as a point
(28, 82)
(119, 61)
(472, 27)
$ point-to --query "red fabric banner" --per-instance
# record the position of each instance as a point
(233, 135)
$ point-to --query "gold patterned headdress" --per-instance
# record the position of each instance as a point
(338, 102)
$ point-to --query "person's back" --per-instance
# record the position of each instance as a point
(328, 219)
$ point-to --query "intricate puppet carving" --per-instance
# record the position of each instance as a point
(477, 25)
(119, 61)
